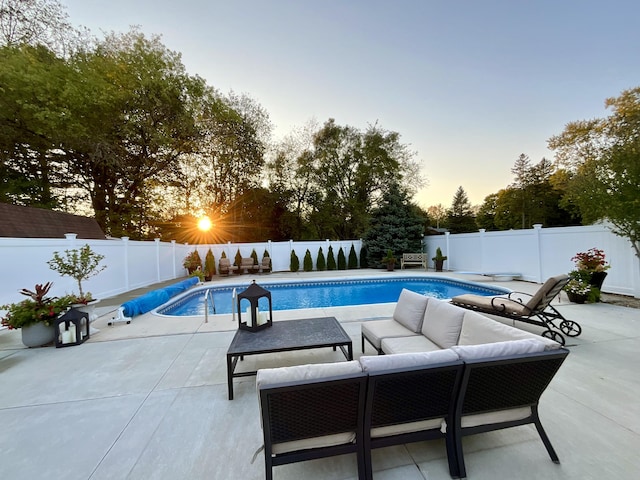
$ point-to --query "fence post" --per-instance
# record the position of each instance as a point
(447, 236)
(157, 242)
(537, 231)
(125, 256)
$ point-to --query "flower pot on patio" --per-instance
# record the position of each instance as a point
(576, 297)
(597, 279)
(38, 334)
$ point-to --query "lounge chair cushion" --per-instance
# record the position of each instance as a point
(406, 360)
(376, 330)
(478, 329)
(498, 349)
(487, 304)
(413, 344)
(409, 310)
(442, 323)
(270, 376)
(544, 290)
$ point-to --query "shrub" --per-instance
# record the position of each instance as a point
(321, 263)
(209, 264)
(331, 260)
(254, 255)
(342, 260)
(294, 265)
(307, 263)
(363, 257)
(353, 258)
(238, 259)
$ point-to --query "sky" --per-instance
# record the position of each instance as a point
(468, 84)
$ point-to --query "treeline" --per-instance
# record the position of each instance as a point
(117, 128)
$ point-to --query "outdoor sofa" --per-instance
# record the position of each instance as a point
(464, 374)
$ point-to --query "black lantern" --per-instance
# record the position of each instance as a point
(254, 319)
(71, 328)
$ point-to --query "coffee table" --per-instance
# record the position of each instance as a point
(286, 336)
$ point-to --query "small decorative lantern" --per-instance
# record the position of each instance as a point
(71, 328)
(254, 319)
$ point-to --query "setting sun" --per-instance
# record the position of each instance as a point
(204, 224)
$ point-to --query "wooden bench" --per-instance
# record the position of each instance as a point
(413, 259)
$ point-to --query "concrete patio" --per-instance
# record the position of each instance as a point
(149, 401)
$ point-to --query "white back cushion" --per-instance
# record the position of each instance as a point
(498, 349)
(406, 360)
(410, 309)
(269, 376)
(442, 323)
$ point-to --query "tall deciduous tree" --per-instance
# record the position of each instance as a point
(603, 157)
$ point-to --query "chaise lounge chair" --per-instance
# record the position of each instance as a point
(536, 311)
(225, 267)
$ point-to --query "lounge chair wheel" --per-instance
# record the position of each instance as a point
(570, 328)
(554, 336)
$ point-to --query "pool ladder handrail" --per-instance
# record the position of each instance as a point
(208, 297)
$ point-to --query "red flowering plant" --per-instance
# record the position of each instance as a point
(37, 308)
(593, 260)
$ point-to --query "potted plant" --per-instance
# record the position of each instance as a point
(579, 291)
(439, 259)
(593, 262)
(389, 260)
(209, 266)
(80, 264)
(35, 315)
(192, 262)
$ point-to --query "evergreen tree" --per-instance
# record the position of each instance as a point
(238, 259)
(461, 218)
(331, 259)
(294, 265)
(353, 258)
(254, 255)
(395, 225)
(307, 262)
(363, 257)
(321, 263)
(342, 260)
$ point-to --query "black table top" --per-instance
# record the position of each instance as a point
(290, 335)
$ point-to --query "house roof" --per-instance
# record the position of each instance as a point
(29, 222)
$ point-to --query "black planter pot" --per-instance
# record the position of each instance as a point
(576, 297)
(597, 279)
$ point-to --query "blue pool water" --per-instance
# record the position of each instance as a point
(328, 293)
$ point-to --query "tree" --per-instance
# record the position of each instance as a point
(331, 259)
(342, 260)
(603, 160)
(353, 258)
(321, 263)
(307, 261)
(460, 217)
(395, 225)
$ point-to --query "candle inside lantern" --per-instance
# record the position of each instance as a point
(249, 322)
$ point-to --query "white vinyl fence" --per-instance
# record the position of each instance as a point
(132, 264)
(539, 253)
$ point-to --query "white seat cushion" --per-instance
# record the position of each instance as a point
(376, 330)
(495, 417)
(410, 309)
(389, 430)
(442, 323)
(418, 343)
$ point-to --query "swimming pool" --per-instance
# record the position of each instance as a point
(327, 293)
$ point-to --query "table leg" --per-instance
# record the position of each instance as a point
(230, 368)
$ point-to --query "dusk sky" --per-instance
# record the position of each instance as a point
(469, 85)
